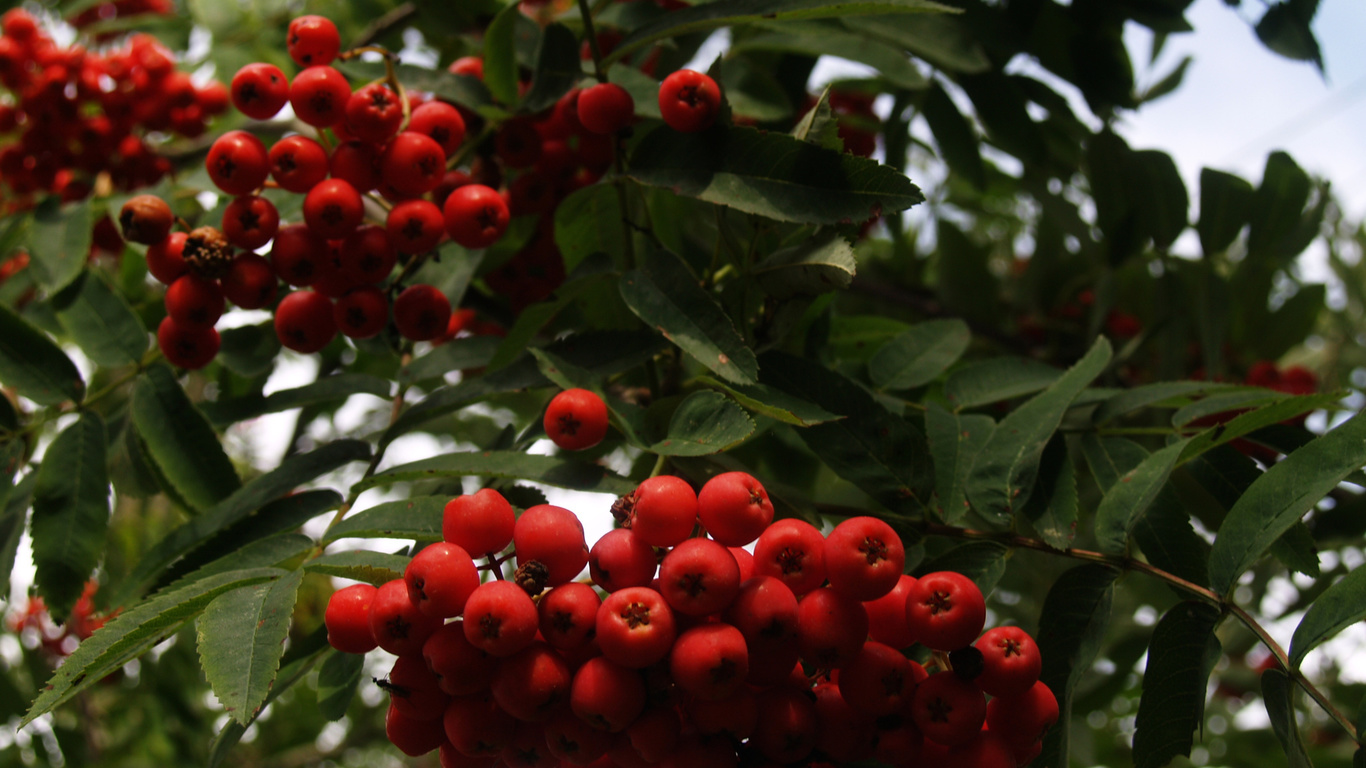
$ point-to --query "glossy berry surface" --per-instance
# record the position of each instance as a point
(476, 216)
(312, 40)
(421, 312)
(576, 419)
(689, 101)
(605, 108)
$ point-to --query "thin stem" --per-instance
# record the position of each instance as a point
(384, 24)
(592, 36)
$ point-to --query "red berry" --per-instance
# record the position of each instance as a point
(194, 302)
(481, 522)
(399, 627)
(356, 163)
(442, 122)
(831, 628)
(475, 725)
(532, 683)
(699, 577)
(415, 226)
(764, 609)
(1023, 719)
(786, 729)
(319, 95)
(250, 222)
(500, 618)
(414, 690)
(517, 144)
(298, 163)
(662, 510)
(421, 312)
(576, 419)
(250, 282)
(470, 66)
(793, 552)
(734, 508)
(864, 558)
(333, 209)
(605, 108)
(574, 741)
(476, 216)
(710, 661)
(887, 615)
(620, 559)
(188, 348)
(312, 40)
(413, 163)
(298, 255)
(368, 255)
(374, 113)
(568, 615)
(304, 321)
(878, 680)
(460, 668)
(945, 610)
(348, 619)
(146, 219)
(948, 709)
(440, 579)
(635, 627)
(238, 163)
(1010, 661)
(412, 737)
(259, 90)
(553, 537)
(689, 101)
(164, 259)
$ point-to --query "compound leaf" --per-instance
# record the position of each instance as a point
(180, 442)
(241, 638)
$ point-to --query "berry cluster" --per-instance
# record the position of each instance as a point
(74, 114)
(689, 650)
(58, 641)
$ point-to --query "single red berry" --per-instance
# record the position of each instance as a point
(348, 619)
(460, 668)
(733, 717)
(304, 321)
(481, 523)
(260, 90)
(568, 615)
(413, 163)
(319, 95)
(470, 66)
(734, 508)
(475, 725)
(250, 282)
(250, 222)
(1023, 719)
(532, 683)
(1010, 661)
(985, 750)
(620, 559)
(878, 680)
(412, 737)
(576, 419)
(948, 709)
(399, 627)
(298, 255)
(699, 577)
(710, 661)
(945, 610)
(164, 259)
(605, 108)
(887, 615)
(764, 609)
(146, 219)
(831, 628)
(415, 691)
(333, 209)
(606, 695)
(194, 302)
(298, 163)
(689, 101)
(793, 552)
(786, 729)
(188, 348)
(356, 163)
(574, 741)
(662, 510)
(440, 579)
(368, 255)
(361, 313)
(476, 216)
(635, 627)
(238, 163)
(374, 113)
(843, 733)
(553, 537)
(500, 618)
(415, 226)
(421, 312)
(312, 40)
(442, 122)
(864, 558)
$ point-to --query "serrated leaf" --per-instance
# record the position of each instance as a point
(1277, 692)
(328, 389)
(365, 565)
(295, 666)
(1225, 206)
(704, 423)
(180, 442)
(819, 125)
(70, 512)
(500, 55)
(1129, 497)
(666, 297)
(1072, 625)
(454, 355)
(817, 266)
(880, 453)
(293, 472)
(771, 174)
(59, 242)
(557, 68)
(101, 322)
(1004, 471)
(418, 518)
(271, 551)
(559, 471)
(588, 221)
(918, 356)
(338, 680)
(1281, 496)
(1181, 655)
(997, 379)
(241, 636)
(133, 632)
(728, 13)
(35, 366)
(982, 561)
(1054, 514)
(1254, 420)
(235, 547)
(954, 441)
(1131, 400)
(773, 403)
(1340, 606)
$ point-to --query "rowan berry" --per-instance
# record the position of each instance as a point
(635, 627)
(440, 579)
(476, 216)
(605, 108)
(421, 312)
(415, 226)
(500, 618)
(1010, 661)
(368, 255)
(164, 259)
(553, 537)
(793, 552)
(786, 728)
(304, 321)
(298, 255)
(414, 690)
(412, 737)
(576, 419)
(475, 725)
(460, 667)
(568, 615)
(373, 113)
(442, 122)
(146, 219)
(689, 101)
(194, 302)
(250, 222)
(662, 510)
(734, 508)
(607, 695)
(348, 619)
(259, 90)
(399, 627)
(312, 40)
(532, 683)
(620, 559)
(333, 209)
(699, 577)
(298, 163)
(319, 95)
(864, 558)
(709, 661)
(948, 709)
(412, 163)
(481, 523)
(831, 628)
(238, 163)
(945, 610)
(188, 348)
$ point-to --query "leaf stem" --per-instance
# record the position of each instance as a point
(592, 37)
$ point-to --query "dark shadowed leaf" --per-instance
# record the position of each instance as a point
(1341, 606)
(180, 442)
(773, 403)
(12, 516)
(329, 389)
(222, 550)
(557, 68)
(996, 379)
(941, 39)
(918, 356)
(241, 637)
(360, 565)
(1158, 194)
(588, 221)
(590, 273)
(1151, 395)
(249, 350)
(101, 322)
(822, 264)
(1254, 420)
(500, 56)
(70, 513)
(1225, 205)
(816, 38)
(982, 561)
(59, 242)
(558, 471)
(1169, 82)
(416, 518)
(954, 135)
(1278, 694)
(1284, 28)
(1183, 651)
(454, 355)
(35, 366)
(1053, 507)
(338, 680)
(1128, 498)
(771, 174)
(954, 442)
(704, 423)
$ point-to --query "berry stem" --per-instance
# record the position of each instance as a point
(592, 36)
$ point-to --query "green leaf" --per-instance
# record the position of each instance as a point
(1296, 550)
(1054, 505)
(418, 518)
(881, 454)
(1129, 497)
(1285, 29)
(133, 632)
(920, 355)
(338, 680)
(557, 68)
(293, 472)
(70, 513)
(588, 221)
(982, 561)
(1151, 395)
(727, 13)
(941, 39)
(59, 242)
(771, 174)
(996, 379)
(1225, 207)
(16, 500)
(101, 322)
(666, 297)
(180, 442)
(15, 234)
(1169, 82)
(1277, 693)
(954, 442)
(1281, 496)
(454, 355)
(819, 125)
(1284, 407)
(1183, 651)
(365, 565)
(1278, 204)
(955, 136)
(1004, 471)
(752, 90)
(249, 350)
(244, 544)
(704, 423)
(35, 366)
(461, 89)
(559, 471)
(271, 551)
(1158, 194)
(818, 265)
(500, 55)
(241, 636)
(816, 38)
(329, 389)
(1072, 627)
(295, 665)
(590, 273)
(1340, 606)
(773, 403)
(1225, 402)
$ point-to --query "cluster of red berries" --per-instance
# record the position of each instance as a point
(58, 641)
(73, 114)
(689, 650)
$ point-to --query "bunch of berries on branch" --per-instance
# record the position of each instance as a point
(72, 114)
(756, 642)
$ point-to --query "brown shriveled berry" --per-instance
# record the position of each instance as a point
(146, 219)
(208, 253)
(532, 576)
